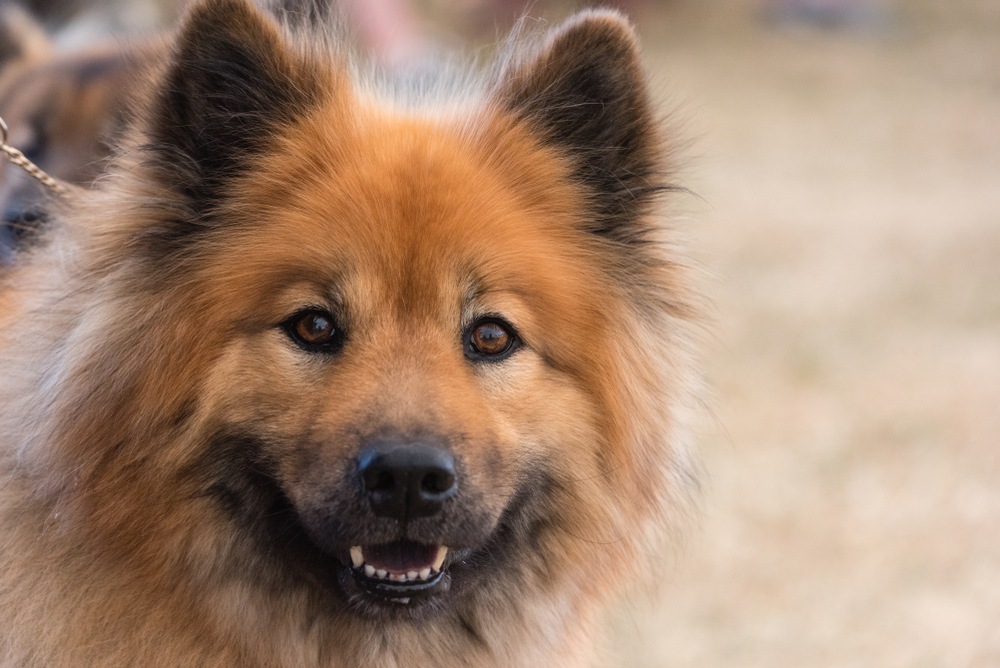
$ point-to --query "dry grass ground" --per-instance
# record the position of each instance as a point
(851, 219)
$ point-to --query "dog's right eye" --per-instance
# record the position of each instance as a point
(314, 330)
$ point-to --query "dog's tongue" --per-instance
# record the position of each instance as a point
(400, 556)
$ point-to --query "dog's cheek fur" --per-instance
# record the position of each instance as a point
(585, 94)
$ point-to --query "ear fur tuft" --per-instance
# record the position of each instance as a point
(231, 82)
(586, 93)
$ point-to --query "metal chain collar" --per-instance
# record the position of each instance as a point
(17, 158)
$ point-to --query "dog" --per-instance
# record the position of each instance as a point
(64, 110)
(333, 370)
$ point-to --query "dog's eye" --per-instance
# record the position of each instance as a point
(315, 330)
(490, 339)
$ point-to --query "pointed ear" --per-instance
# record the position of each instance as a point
(231, 82)
(585, 93)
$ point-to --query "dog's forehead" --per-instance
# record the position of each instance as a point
(398, 213)
(401, 196)
(406, 172)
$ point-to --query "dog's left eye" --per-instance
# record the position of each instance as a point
(314, 330)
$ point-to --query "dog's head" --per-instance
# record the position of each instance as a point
(412, 346)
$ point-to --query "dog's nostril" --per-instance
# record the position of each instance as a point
(379, 481)
(437, 482)
(407, 480)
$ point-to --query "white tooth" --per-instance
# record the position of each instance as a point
(381, 574)
(398, 577)
(439, 559)
(411, 575)
(369, 570)
(424, 574)
(356, 556)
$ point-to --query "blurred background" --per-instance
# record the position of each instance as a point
(844, 157)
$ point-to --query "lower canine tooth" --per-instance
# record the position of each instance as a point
(369, 570)
(439, 559)
(356, 556)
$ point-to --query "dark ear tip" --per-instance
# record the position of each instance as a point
(600, 19)
(216, 13)
(210, 20)
(597, 31)
(215, 6)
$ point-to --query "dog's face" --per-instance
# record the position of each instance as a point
(409, 379)
(403, 345)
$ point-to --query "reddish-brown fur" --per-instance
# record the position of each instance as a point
(128, 345)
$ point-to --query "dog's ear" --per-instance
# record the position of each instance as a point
(231, 82)
(21, 37)
(585, 93)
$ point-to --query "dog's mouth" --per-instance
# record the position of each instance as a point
(379, 568)
(401, 572)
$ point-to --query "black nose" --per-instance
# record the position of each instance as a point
(407, 480)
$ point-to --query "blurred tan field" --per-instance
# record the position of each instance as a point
(850, 225)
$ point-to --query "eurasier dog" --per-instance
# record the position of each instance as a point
(332, 372)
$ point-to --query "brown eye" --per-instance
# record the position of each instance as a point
(491, 339)
(315, 330)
